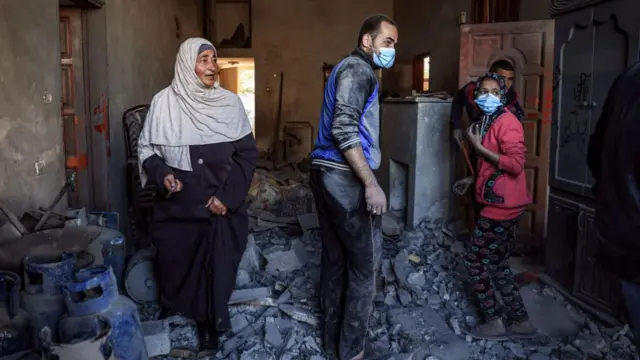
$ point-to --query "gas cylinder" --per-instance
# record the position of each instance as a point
(140, 281)
(94, 293)
(14, 322)
(110, 248)
(44, 278)
(95, 346)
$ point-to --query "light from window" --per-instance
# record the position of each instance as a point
(425, 73)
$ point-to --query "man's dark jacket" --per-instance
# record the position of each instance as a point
(614, 161)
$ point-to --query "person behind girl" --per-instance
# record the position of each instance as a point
(501, 190)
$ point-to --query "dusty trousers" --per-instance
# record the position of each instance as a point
(351, 251)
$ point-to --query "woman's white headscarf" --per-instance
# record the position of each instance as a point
(188, 113)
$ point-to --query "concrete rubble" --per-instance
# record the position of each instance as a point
(422, 308)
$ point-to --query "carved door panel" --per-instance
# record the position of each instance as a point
(593, 48)
(592, 285)
(529, 46)
(74, 114)
(572, 106)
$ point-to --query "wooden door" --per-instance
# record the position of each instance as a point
(529, 46)
(74, 114)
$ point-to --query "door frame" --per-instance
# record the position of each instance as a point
(72, 57)
(93, 48)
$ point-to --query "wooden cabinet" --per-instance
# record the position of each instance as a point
(593, 46)
(570, 250)
(593, 286)
(561, 240)
(595, 41)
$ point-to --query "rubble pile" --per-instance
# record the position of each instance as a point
(422, 308)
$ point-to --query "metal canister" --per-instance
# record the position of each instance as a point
(94, 293)
(95, 346)
(45, 277)
(110, 248)
(140, 281)
(14, 322)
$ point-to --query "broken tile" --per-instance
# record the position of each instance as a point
(272, 335)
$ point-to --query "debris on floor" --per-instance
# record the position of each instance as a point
(422, 308)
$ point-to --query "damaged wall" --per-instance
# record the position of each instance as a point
(297, 42)
(143, 37)
(30, 91)
(431, 26)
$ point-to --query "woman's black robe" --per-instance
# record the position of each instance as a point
(198, 252)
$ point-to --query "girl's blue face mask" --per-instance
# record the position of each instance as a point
(488, 103)
(386, 57)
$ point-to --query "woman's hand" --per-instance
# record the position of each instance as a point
(474, 136)
(172, 184)
(216, 206)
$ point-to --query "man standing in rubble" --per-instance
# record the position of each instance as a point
(348, 199)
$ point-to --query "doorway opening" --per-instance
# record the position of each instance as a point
(238, 75)
(421, 72)
(426, 62)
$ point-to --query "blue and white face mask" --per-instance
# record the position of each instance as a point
(488, 103)
(386, 58)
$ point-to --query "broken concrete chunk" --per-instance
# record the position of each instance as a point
(391, 224)
(299, 314)
(156, 337)
(417, 279)
(256, 352)
(311, 344)
(284, 324)
(387, 271)
(272, 335)
(252, 258)
(308, 221)
(517, 350)
(243, 278)
(285, 261)
(402, 267)
(247, 295)
(239, 322)
(405, 297)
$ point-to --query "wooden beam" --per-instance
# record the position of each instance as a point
(89, 3)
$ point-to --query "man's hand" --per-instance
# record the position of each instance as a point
(474, 136)
(461, 186)
(375, 198)
(172, 184)
(216, 206)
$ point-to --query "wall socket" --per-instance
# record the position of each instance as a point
(39, 167)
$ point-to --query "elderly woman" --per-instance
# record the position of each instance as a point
(501, 189)
(198, 149)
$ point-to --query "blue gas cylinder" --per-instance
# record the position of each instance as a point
(110, 248)
(44, 278)
(14, 322)
(94, 292)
